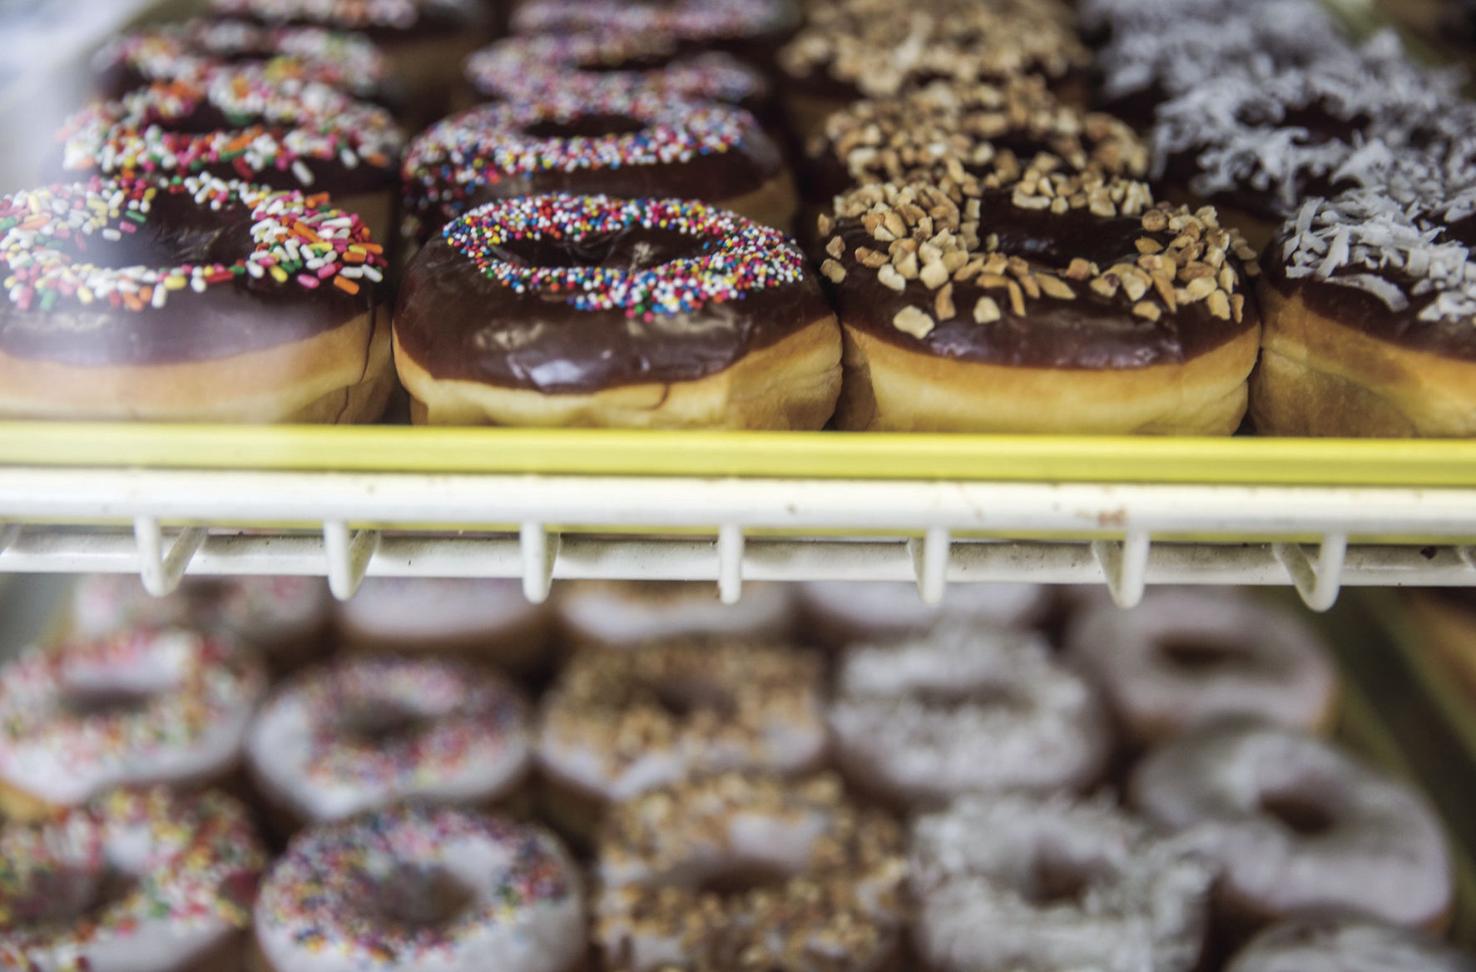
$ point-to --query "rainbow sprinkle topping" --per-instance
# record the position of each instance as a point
(738, 256)
(46, 234)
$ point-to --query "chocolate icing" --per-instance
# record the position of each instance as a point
(457, 324)
(226, 320)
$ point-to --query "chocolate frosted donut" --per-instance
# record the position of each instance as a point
(1370, 307)
(592, 311)
(1059, 303)
(1347, 944)
(623, 143)
(195, 299)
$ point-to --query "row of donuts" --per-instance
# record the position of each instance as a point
(638, 725)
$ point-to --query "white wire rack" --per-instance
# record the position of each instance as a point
(350, 525)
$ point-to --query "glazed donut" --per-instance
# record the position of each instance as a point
(619, 723)
(1346, 944)
(142, 706)
(535, 66)
(909, 720)
(211, 301)
(627, 143)
(1013, 883)
(630, 614)
(1369, 300)
(190, 50)
(473, 619)
(745, 26)
(416, 887)
(597, 312)
(137, 880)
(1059, 303)
(746, 871)
(362, 733)
(1184, 658)
(1296, 824)
(841, 613)
(879, 48)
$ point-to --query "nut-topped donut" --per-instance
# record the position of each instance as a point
(535, 65)
(628, 143)
(747, 26)
(191, 49)
(417, 887)
(191, 299)
(815, 880)
(1369, 301)
(1346, 942)
(136, 880)
(147, 705)
(1059, 302)
(593, 311)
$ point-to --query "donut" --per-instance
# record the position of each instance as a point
(190, 50)
(630, 614)
(536, 66)
(361, 733)
(1369, 300)
(910, 720)
(627, 143)
(419, 887)
(743, 26)
(598, 312)
(1296, 824)
(1185, 658)
(1059, 303)
(879, 48)
(1014, 883)
(145, 879)
(141, 706)
(618, 723)
(473, 619)
(1445, 618)
(841, 613)
(747, 871)
(1345, 942)
(192, 299)
(244, 124)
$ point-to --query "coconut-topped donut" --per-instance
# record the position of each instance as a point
(140, 706)
(535, 65)
(1296, 824)
(595, 311)
(189, 299)
(741, 24)
(1347, 944)
(817, 879)
(1013, 883)
(366, 732)
(190, 50)
(627, 143)
(1370, 300)
(910, 720)
(416, 887)
(136, 880)
(1057, 302)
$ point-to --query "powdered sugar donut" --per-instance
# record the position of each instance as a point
(418, 888)
(911, 720)
(846, 612)
(818, 879)
(140, 706)
(1184, 658)
(140, 881)
(366, 732)
(1296, 824)
(1012, 883)
(1346, 944)
(628, 614)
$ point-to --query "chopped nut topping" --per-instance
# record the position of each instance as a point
(1147, 309)
(891, 279)
(836, 247)
(986, 311)
(910, 320)
(833, 271)
(943, 304)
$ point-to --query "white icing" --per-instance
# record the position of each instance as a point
(882, 610)
(629, 614)
(979, 871)
(1383, 852)
(256, 609)
(1347, 944)
(418, 610)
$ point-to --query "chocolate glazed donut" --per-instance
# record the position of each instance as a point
(593, 311)
(1066, 303)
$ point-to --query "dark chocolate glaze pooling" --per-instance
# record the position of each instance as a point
(457, 324)
(225, 320)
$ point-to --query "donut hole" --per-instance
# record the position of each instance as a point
(1058, 878)
(101, 701)
(421, 896)
(1200, 653)
(966, 695)
(1304, 814)
(584, 126)
(375, 726)
(69, 895)
(742, 878)
(685, 699)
